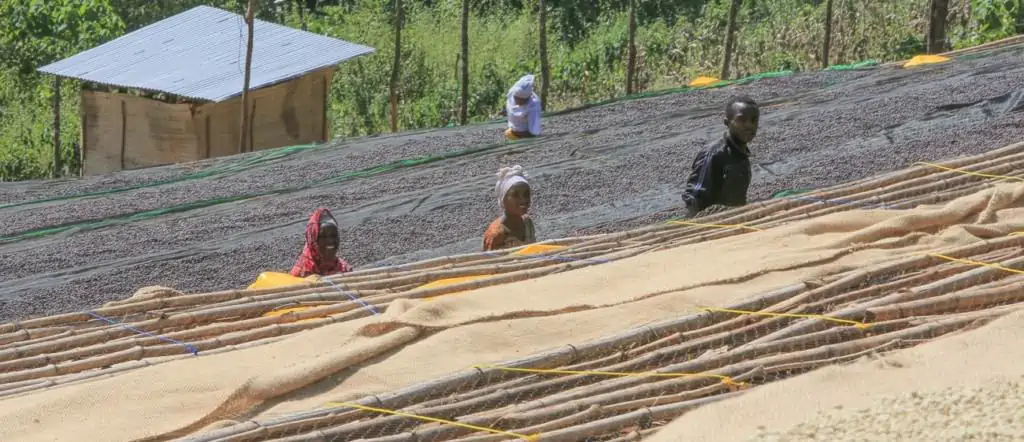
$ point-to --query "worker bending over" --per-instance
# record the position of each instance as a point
(721, 173)
(523, 110)
(320, 254)
(514, 228)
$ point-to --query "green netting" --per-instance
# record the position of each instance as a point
(852, 66)
(148, 214)
(232, 167)
(790, 192)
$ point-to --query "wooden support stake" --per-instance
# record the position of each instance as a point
(245, 132)
(826, 44)
(56, 128)
(730, 37)
(395, 68)
(545, 68)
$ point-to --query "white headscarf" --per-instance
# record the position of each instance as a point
(523, 88)
(508, 177)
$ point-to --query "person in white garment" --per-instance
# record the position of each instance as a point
(523, 110)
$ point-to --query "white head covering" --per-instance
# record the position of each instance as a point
(508, 177)
(523, 88)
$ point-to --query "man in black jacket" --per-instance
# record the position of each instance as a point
(721, 173)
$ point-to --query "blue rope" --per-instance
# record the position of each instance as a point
(353, 297)
(189, 347)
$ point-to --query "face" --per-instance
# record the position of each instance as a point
(743, 124)
(517, 200)
(327, 242)
(520, 101)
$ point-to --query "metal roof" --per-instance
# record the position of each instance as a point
(200, 54)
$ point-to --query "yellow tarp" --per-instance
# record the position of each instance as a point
(268, 280)
(537, 249)
(703, 81)
(925, 59)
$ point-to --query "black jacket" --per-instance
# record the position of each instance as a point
(720, 175)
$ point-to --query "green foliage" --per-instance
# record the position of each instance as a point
(677, 40)
(42, 31)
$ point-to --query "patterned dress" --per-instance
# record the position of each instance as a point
(499, 237)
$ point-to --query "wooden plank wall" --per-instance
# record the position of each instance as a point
(127, 132)
(286, 114)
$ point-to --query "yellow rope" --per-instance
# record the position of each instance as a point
(857, 324)
(724, 379)
(719, 226)
(977, 263)
(967, 172)
(432, 419)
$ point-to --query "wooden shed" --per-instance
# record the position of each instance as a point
(171, 91)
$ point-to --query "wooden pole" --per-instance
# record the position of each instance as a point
(826, 44)
(545, 68)
(464, 99)
(56, 128)
(936, 41)
(244, 134)
(631, 49)
(730, 41)
(395, 68)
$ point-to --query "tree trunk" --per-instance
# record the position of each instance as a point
(396, 66)
(826, 44)
(464, 99)
(545, 68)
(936, 41)
(245, 134)
(730, 37)
(56, 128)
(631, 49)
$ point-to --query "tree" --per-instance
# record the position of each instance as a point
(826, 44)
(936, 41)
(730, 37)
(545, 68)
(396, 67)
(43, 31)
(631, 49)
(464, 99)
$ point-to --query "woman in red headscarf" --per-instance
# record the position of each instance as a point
(320, 255)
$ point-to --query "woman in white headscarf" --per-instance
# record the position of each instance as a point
(514, 228)
(523, 110)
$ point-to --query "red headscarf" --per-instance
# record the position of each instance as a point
(309, 261)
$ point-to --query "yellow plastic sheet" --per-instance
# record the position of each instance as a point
(268, 280)
(285, 310)
(536, 249)
(703, 81)
(925, 59)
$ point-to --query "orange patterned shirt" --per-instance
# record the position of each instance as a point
(498, 236)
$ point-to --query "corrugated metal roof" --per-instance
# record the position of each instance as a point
(200, 54)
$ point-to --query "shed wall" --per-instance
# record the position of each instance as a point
(127, 132)
(286, 114)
